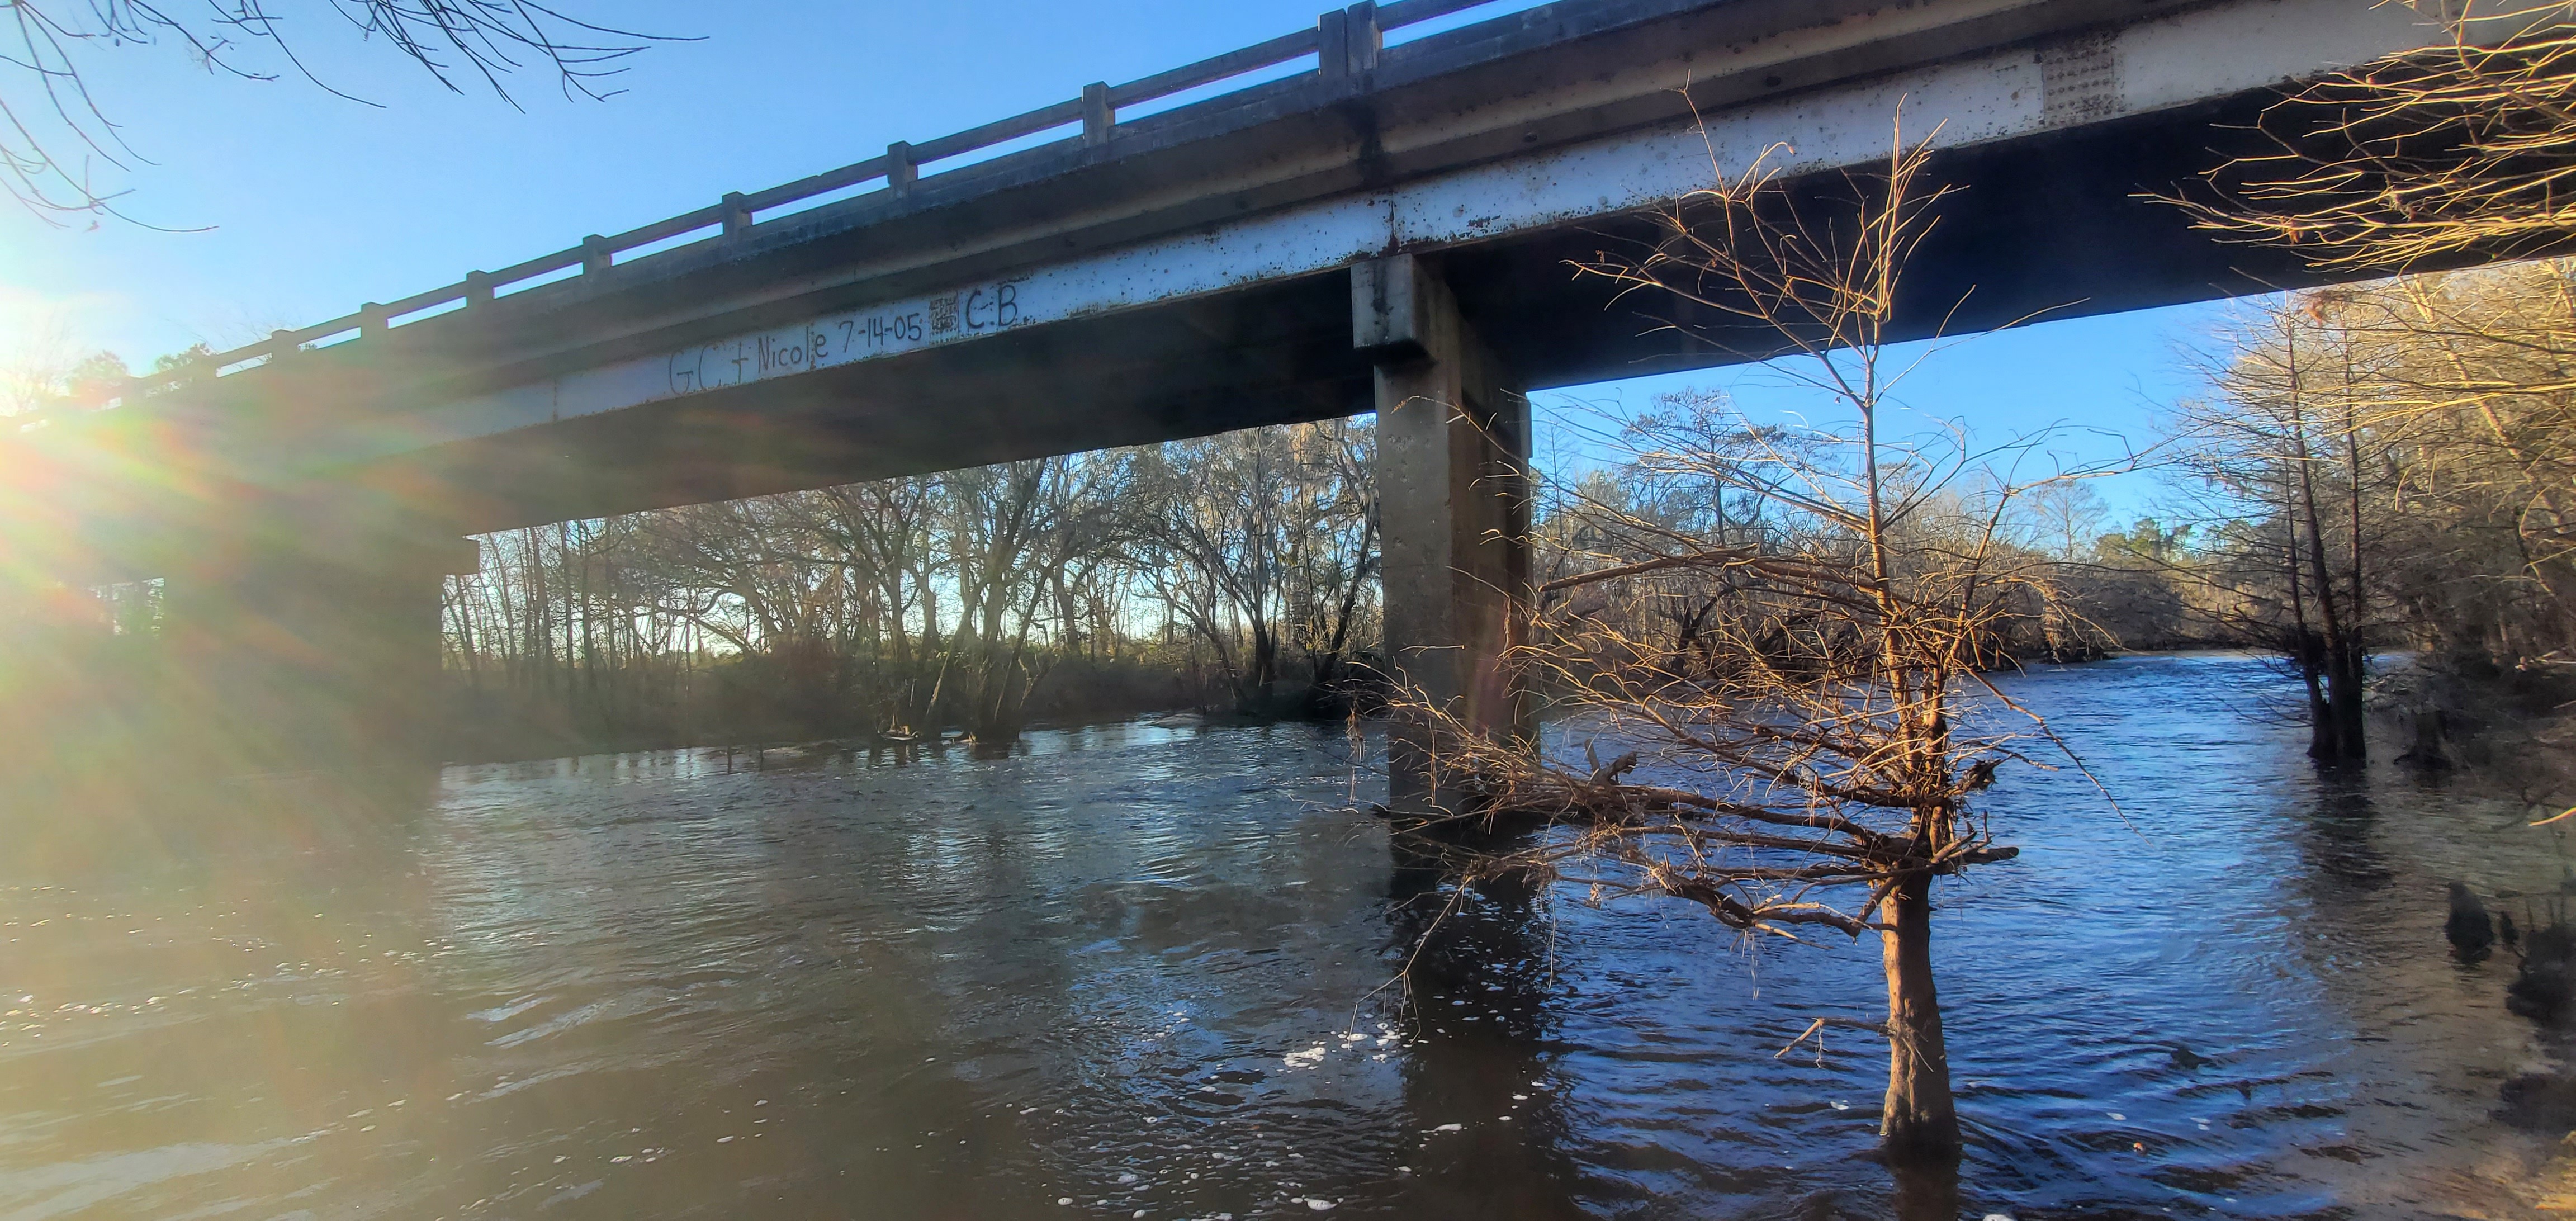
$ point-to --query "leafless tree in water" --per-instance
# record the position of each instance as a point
(2296, 487)
(2387, 466)
(1802, 757)
(56, 139)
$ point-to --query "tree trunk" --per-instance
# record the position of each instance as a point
(2349, 710)
(2338, 737)
(2325, 740)
(1920, 1123)
(540, 617)
(2345, 677)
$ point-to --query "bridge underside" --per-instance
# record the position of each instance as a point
(2045, 228)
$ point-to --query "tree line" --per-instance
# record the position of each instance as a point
(1234, 572)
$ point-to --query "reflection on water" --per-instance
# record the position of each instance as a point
(1144, 972)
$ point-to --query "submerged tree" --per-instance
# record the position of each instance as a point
(1809, 764)
(2384, 467)
(1010, 530)
(2291, 462)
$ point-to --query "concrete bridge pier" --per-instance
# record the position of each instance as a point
(304, 642)
(1453, 438)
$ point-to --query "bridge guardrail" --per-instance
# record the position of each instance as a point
(1345, 43)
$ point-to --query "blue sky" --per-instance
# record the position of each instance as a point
(2088, 391)
(310, 204)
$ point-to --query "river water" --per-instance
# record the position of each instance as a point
(1152, 972)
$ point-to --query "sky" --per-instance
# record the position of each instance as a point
(266, 204)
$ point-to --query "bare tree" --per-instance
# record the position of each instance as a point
(57, 141)
(2478, 378)
(1271, 541)
(2461, 149)
(2063, 518)
(2286, 452)
(882, 530)
(1812, 767)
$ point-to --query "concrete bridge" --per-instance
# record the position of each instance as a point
(1387, 230)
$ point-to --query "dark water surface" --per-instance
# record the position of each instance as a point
(1144, 972)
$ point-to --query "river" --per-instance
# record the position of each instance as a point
(1134, 971)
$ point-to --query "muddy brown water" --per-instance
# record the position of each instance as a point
(1147, 972)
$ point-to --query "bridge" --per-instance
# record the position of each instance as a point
(1340, 220)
